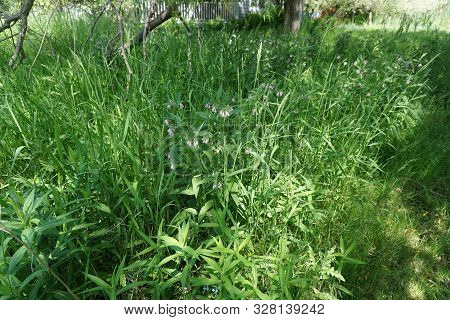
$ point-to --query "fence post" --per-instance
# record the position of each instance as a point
(237, 11)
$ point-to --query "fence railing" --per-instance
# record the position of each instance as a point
(206, 10)
(209, 10)
(199, 11)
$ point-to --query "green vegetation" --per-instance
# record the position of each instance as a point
(239, 164)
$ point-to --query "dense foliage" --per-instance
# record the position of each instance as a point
(248, 164)
(345, 6)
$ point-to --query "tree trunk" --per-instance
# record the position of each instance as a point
(293, 14)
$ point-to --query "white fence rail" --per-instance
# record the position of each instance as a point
(200, 11)
(197, 11)
(207, 10)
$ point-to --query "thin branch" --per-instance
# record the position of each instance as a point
(102, 12)
(43, 264)
(19, 54)
(10, 21)
(123, 50)
(109, 48)
(9, 37)
(147, 24)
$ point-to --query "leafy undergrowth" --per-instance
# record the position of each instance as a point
(239, 165)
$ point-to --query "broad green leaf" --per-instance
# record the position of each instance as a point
(260, 294)
(206, 207)
(49, 224)
(350, 260)
(31, 277)
(28, 236)
(28, 204)
(205, 281)
(344, 289)
(170, 258)
(209, 225)
(196, 182)
(15, 259)
(99, 233)
(213, 264)
(99, 282)
(146, 250)
(103, 207)
(183, 233)
(83, 226)
(190, 251)
(171, 242)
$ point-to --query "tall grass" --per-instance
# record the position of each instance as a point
(238, 165)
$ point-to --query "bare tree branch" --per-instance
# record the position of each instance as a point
(10, 21)
(149, 27)
(22, 19)
(109, 47)
(42, 262)
(123, 50)
(149, 20)
(102, 12)
(19, 53)
(9, 37)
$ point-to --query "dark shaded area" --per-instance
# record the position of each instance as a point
(400, 223)
(406, 243)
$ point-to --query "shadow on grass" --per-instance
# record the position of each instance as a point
(404, 238)
(400, 220)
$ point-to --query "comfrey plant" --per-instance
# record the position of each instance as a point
(192, 143)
